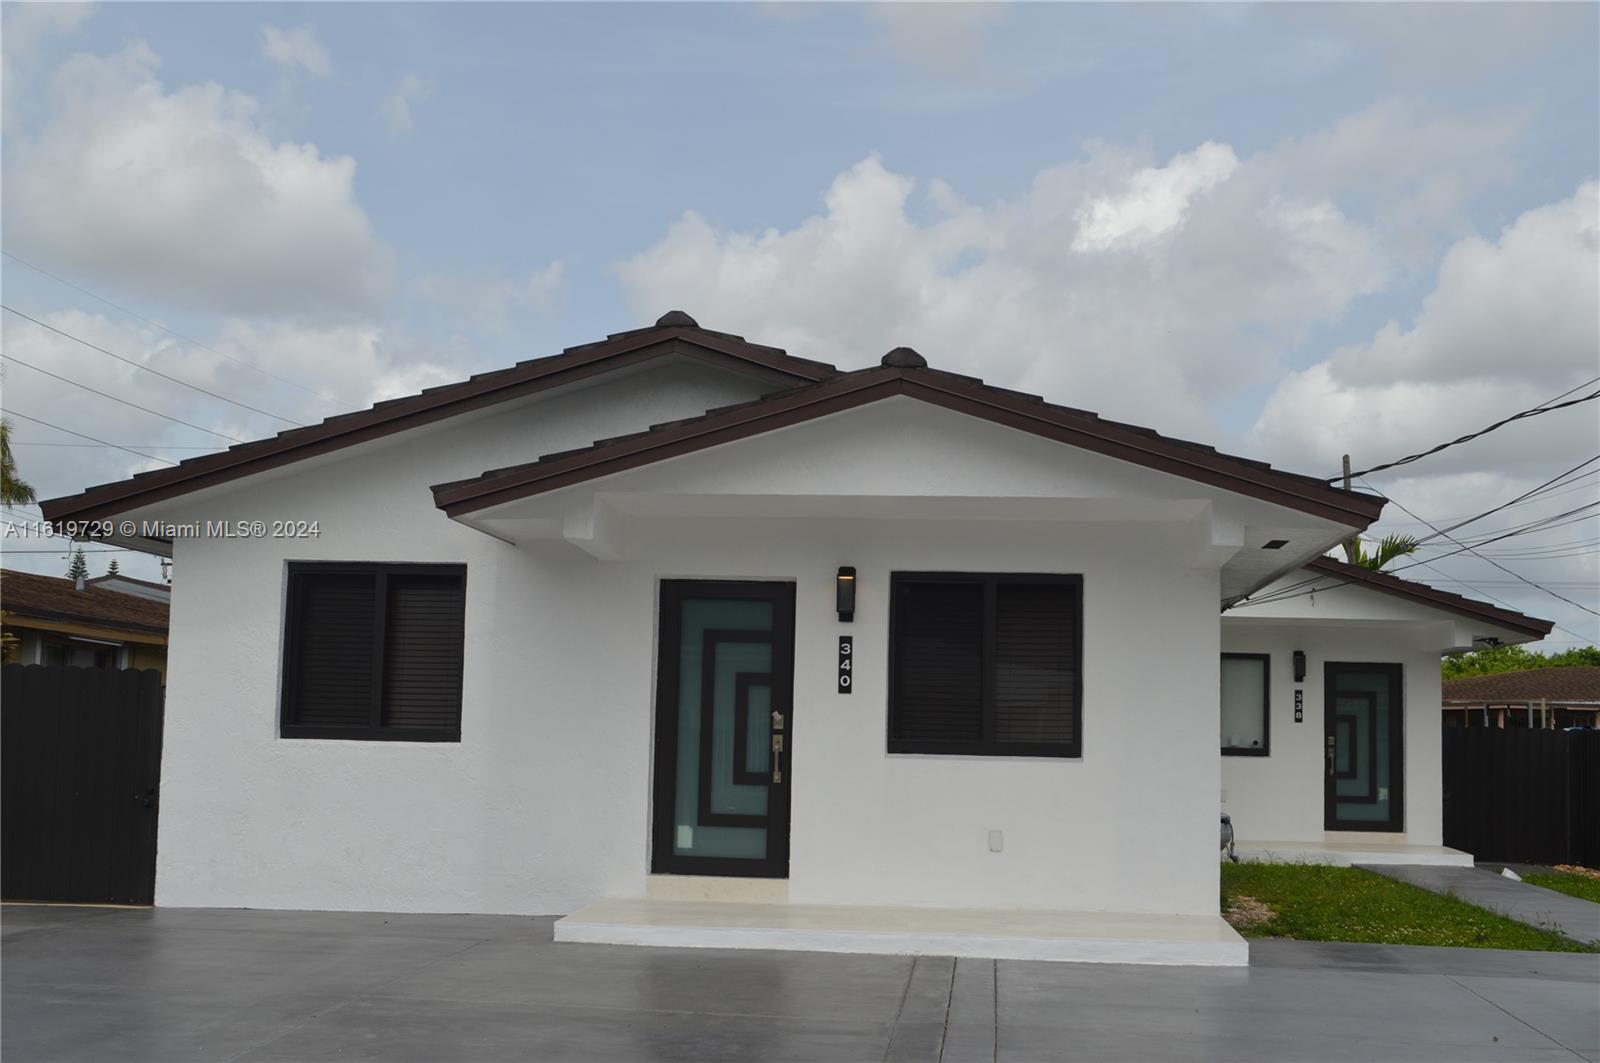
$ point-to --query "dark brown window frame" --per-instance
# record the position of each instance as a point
(987, 747)
(374, 731)
(1266, 707)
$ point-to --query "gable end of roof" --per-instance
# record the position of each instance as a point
(1387, 583)
(967, 395)
(572, 365)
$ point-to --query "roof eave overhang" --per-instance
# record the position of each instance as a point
(24, 613)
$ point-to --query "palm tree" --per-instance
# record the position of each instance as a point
(1390, 548)
(13, 492)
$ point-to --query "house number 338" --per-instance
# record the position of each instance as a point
(846, 663)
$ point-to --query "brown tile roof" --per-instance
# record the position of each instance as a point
(28, 594)
(674, 334)
(1421, 592)
(905, 373)
(1552, 684)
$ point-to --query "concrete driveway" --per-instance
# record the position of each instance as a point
(174, 984)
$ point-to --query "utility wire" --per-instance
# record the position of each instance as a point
(157, 372)
(92, 439)
(1492, 561)
(1284, 593)
(172, 331)
(1565, 489)
(96, 446)
(1294, 591)
(1556, 481)
(67, 380)
(1440, 576)
(1545, 407)
(68, 550)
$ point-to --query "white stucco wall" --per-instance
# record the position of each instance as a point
(544, 804)
(1279, 797)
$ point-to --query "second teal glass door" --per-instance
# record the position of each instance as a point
(1363, 762)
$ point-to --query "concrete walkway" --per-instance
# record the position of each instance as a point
(174, 984)
(1526, 903)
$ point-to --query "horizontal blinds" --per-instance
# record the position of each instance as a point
(332, 634)
(422, 652)
(938, 692)
(1036, 663)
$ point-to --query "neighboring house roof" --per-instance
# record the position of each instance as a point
(1386, 583)
(675, 333)
(117, 582)
(27, 594)
(904, 372)
(1574, 685)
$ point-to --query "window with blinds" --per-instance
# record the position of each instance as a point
(374, 651)
(985, 664)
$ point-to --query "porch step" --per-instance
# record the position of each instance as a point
(1082, 937)
(717, 888)
(1345, 853)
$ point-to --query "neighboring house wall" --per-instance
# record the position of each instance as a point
(33, 642)
(1279, 797)
(545, 803)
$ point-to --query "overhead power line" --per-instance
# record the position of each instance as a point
(1492, 561)
(92, 439)
(95, 391)
(1554, 482)
(1545, 407)
(68, 549)
(96, 446)
(1317, 583)
(170, 331)
(1542, 524)
(157, 372)
(1566, 488)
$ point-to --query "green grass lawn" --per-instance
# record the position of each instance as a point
(1315, 903)
(1586, 887)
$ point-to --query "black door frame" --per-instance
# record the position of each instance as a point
(674, 593)
(1397, 750)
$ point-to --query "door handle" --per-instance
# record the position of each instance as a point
(777, 759)
(1330, 754)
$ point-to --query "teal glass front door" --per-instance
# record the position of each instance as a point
(724, 728)
(1363, 758)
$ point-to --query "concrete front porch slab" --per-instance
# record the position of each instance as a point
(1082, 937)
(1348, 853)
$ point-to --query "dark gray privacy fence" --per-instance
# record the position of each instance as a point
(1523, 795)
(80, 767)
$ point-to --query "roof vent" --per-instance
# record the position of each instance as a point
(676, 319)
(1275, 544)
(905, 358)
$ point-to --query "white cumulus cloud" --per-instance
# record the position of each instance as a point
(296, 49)
(1510, 322)
(183, 195)
(1154, 200)
(396, 106)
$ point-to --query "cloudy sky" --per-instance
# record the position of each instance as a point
(1293, 231)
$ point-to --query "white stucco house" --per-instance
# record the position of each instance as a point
(699, 642)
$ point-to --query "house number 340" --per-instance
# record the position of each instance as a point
(846, 663)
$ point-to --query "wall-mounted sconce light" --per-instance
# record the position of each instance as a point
(845, 593)
(1299, 666)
